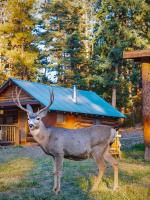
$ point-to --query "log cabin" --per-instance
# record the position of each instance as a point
(72, 108)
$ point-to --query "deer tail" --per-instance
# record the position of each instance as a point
(113, 135)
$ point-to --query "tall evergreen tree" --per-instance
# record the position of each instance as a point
(17, 50)
(120, 25)
(67, 40)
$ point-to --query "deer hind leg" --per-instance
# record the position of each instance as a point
(108, 157)
(58, 161)
(101, 166)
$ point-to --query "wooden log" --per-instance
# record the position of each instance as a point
(136, 54)
(146, 106)
(147, 137)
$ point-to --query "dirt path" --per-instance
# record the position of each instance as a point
(131, 136)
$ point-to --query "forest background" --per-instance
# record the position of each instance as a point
(78, 42)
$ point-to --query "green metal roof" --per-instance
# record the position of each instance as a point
(87, 102)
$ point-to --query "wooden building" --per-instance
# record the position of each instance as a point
(72, 108)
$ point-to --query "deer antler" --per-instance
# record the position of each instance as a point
(17, 101)
(51, 100)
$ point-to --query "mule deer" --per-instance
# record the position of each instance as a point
(78, 144)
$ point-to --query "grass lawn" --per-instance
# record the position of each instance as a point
(27, 173)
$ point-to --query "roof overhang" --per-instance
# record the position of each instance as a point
(11, 103)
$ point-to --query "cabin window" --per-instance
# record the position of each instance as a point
(9, 117)
(60, 117)
(97, 121)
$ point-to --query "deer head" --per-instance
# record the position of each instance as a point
(34, 118)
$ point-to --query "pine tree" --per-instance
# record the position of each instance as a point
(120, 25)
(18, 52)
(67, 40)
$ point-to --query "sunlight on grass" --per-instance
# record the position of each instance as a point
(12, 172)
(133, 169)
(83, 183)
(31, 178)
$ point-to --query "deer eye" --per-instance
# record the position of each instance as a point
(38, 118)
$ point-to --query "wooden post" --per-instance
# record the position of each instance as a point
(144, 57)
(17, 137)
(146, 106)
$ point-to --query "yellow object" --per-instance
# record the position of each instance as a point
(115, 147)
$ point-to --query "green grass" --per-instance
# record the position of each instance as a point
(27, 175)
(135, 153)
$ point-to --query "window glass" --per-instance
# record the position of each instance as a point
(60, 117)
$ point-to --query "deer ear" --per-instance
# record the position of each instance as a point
(43, 114)
(29, 108)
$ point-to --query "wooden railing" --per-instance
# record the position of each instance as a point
(9, 133)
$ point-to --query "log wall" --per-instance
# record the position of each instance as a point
(50, 119)
(6, 95)
(75, 121)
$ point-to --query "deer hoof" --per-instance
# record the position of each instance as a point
(95, 178)
(115, 188)
(56, 190)
(94, 188)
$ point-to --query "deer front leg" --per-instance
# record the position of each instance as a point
(108, 157)
(57, 173)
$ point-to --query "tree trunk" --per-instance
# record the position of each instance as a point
(114, 90)
(87, 19)
(114, 97)
(146, 106)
